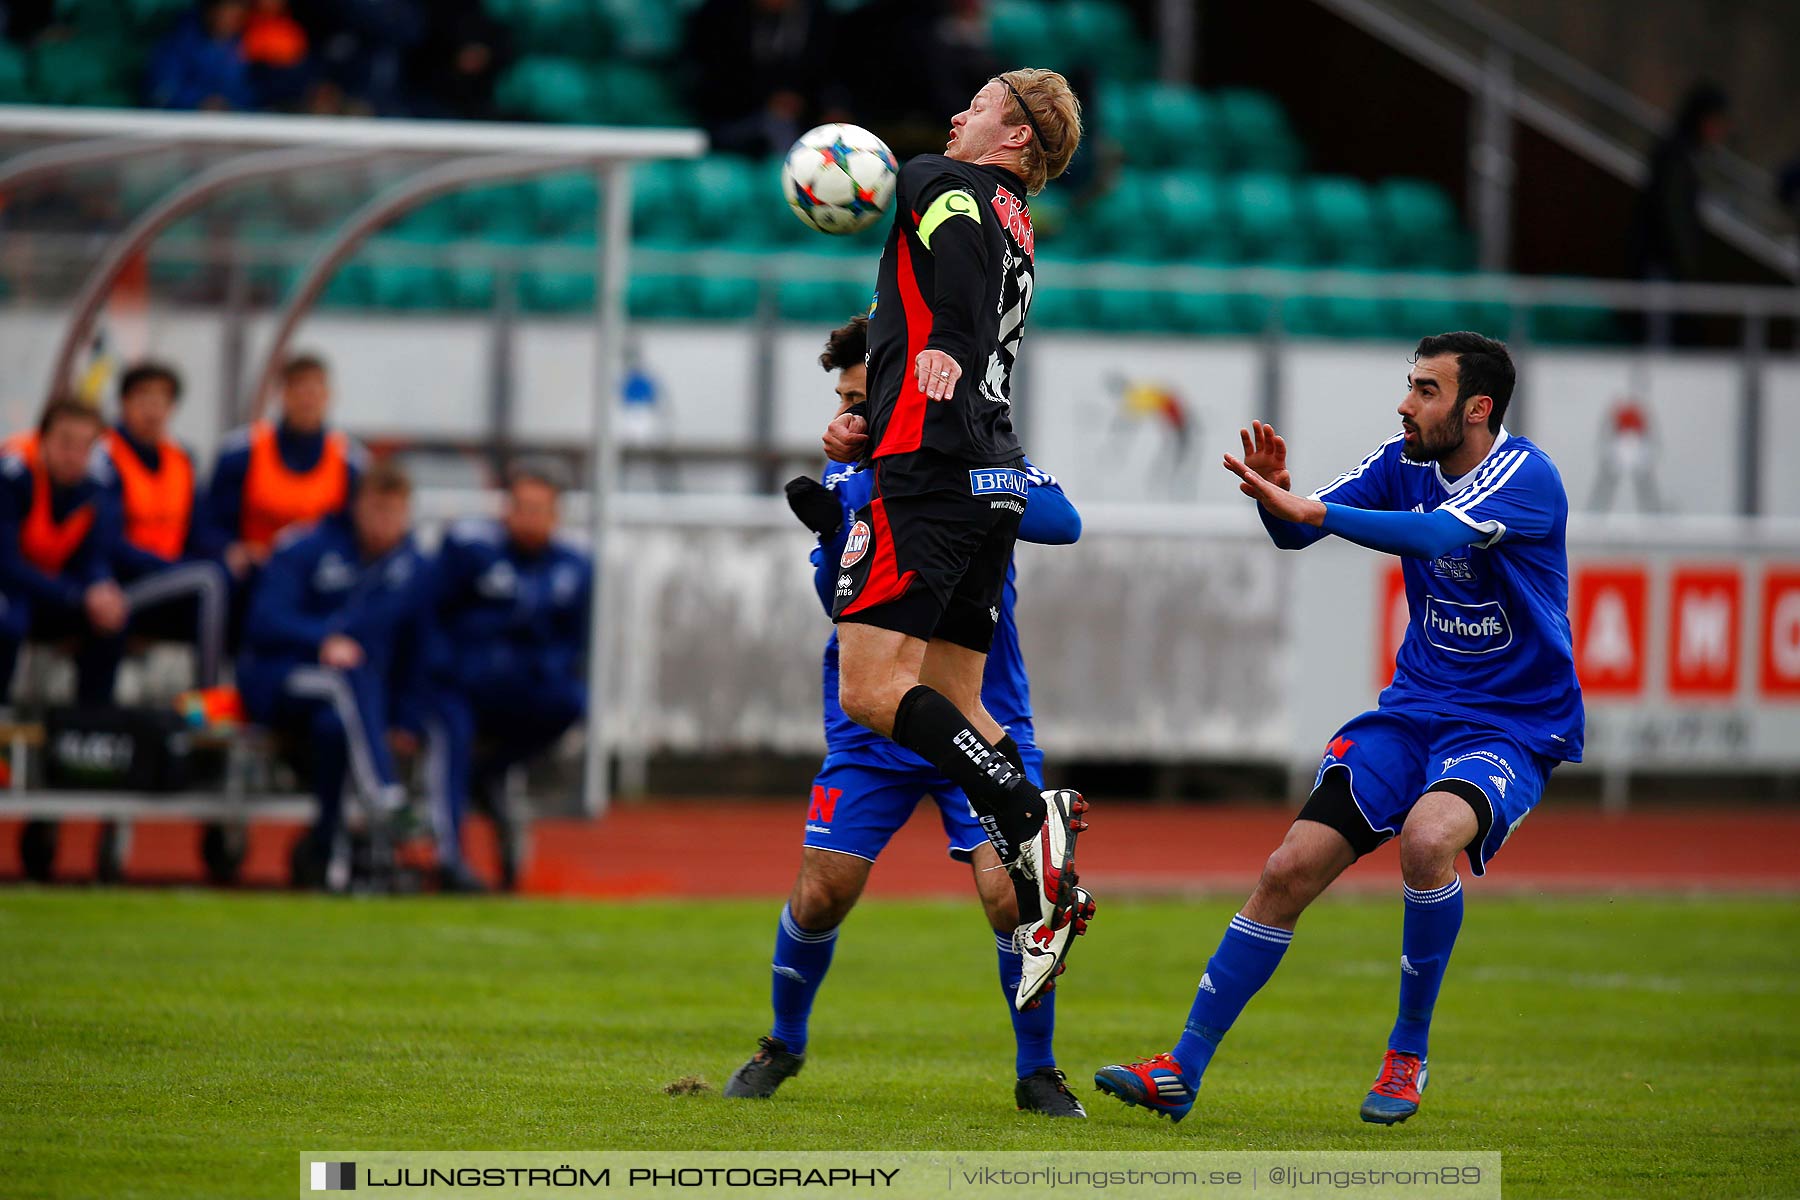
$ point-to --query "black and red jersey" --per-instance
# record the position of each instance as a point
(956, 276)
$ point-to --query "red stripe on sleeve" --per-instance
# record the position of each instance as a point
(906, 427)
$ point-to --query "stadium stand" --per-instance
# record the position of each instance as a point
(1181, 176)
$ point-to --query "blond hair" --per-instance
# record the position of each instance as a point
(1054, 115)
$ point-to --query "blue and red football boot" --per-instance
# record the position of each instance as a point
(1395, 1095)
(1152, 1083)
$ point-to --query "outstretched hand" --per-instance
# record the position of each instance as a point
(1278, 500)
(1265, 452)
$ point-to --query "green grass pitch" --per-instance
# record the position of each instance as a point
(190, 1044)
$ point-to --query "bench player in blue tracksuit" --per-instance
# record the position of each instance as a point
(512, 621)
(868, 787)
(1483, 705)
(333, 653)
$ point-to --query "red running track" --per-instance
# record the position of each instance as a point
(751, 848)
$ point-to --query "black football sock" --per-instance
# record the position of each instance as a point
(1025, 891)
(1005, 801)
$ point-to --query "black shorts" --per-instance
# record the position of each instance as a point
(927, 556)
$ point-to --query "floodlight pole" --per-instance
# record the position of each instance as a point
(603, 466)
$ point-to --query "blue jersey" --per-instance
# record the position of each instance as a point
(506, 614)
(1005, 689)
(316, 584)
(1487, 638)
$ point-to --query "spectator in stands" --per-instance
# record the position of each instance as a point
(1667, 237)
(59, 525)
(175, 585)
(275, 46)
(512, 611)
(271, 476)
(332, 655)
(363, 47)
(200, 64)
(759, 71)
(456, 65)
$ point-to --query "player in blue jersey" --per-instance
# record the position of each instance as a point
(1483, 705)
(868, 787)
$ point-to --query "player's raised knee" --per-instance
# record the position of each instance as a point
(1286, 886)
(1436, 831)
(821, 903)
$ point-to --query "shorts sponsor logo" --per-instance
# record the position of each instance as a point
(856, 545)
(984, 481)
(1466, 628)
(1482, 756)
(1499, 781)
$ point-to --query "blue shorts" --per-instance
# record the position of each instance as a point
(1393, 757)
(861, 798)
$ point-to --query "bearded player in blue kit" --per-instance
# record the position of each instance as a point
(868, 787)
(1483, 705)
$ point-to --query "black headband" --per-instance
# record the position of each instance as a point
(1026, 109)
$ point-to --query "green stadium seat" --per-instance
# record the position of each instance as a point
(655, 217)
(556, 291)
(1572, 323)
(1491, 318)
(1209, 313)
(1265, 211)
(654, 297)
(1338, 316)
(1345, 227)
(821, 301)
(1256, 132)
(1422, 226)
(494, 210)
(565, 203)
(15, 82)
(1122, 219)
(720, 191)
(468, 288)
(433, 221)
(547, 88)
(555, 26)
(627, 94)
(349, 288)
(1412, 318)
(643, 29)
(1188, 217)
(724, 298)
(1179, 126)
(83, 71)
(1022, 31)
(1063, 308)
(403, 286)
(1102, 36)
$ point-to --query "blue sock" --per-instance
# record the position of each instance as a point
(1247, 955)
(802, 956)
(1426, 939)
(1032, 1030)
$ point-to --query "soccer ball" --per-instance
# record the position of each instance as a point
(839, 178)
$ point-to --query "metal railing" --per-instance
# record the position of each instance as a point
(1483, 53)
